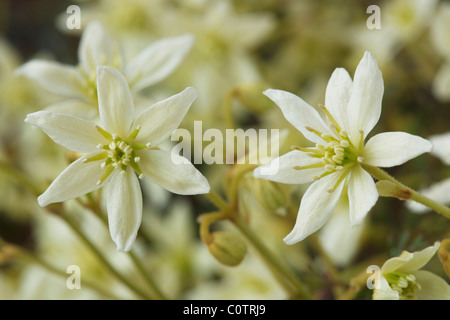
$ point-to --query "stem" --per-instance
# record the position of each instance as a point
(288, 280)
(24, 254)
(280, 272)
(102, 258)
(406, 192)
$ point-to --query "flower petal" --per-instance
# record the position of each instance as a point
(337, 96)
(362, 194)
(124, 206)
(390, 149)
(364, 108)
(75, 107)
(298, 113)
(408, 262)
(383, 290)
(157, 61)
(315, 208)
(432, 287)
(115, 102)
(70, 132)
(96, 48)
(173, 172)
(282, 169)
(158, 121)
(53, 76)
(76, 180)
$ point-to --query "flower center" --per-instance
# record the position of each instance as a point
(337, 154)
(404, 284)
(118, 153)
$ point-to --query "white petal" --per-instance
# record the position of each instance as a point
(173, 172)
(432, 286)
(72, 133)
(158, 60)
(124, 206)
(115, 102)
(298, 113)
(158, 121)
(315, 208)
(74, 107)
(282, 169)
(383, 291)
(390, 149)
(362, 194)
(53, 76)
(337, 96)
(441, 146)
(96, 47)
(408, 262)
(76, 180)
(364, 108)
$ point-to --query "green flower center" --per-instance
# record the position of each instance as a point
(118, 153)
(338, 154)
(404, 284)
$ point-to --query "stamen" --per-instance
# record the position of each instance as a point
(104, 133)
(134, 134)
(98, 156)
(330, 117)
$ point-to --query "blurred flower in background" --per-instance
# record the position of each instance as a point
(235, 50)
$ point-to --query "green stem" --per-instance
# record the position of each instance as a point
(406, 193)
(24, 254)
(284, 276)
(102, 258)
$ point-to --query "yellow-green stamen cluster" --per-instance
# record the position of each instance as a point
(339, 153)
(118, 153)
(404, 284)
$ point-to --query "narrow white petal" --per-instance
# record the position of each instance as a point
(315, 208)
(96, 47)
(441, 146)
(298, 113)
(115, 102)
(362, 194)
(390, 149)
(158, 121)
(364, 108)
(282, 169)
(157, 61)
(337, 96)
(70, 132)
(173, 172)
(124, 206)
(410, 261)
(76, 180)
(53, 76)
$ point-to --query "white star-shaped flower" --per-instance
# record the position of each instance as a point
(125, 144)
(400, 278)
(78, 84)
(352, 109)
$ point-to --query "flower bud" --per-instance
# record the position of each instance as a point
(227, 248)
(444, 255)
(250, 95)
(271, 195)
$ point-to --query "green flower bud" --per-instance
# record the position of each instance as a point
(271, 195)
(227, 248)
(250, 96)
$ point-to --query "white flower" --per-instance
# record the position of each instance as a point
(124, 145)
(352, 110)
(78, 85)
(400, 278)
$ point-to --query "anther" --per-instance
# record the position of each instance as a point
(360, 159)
